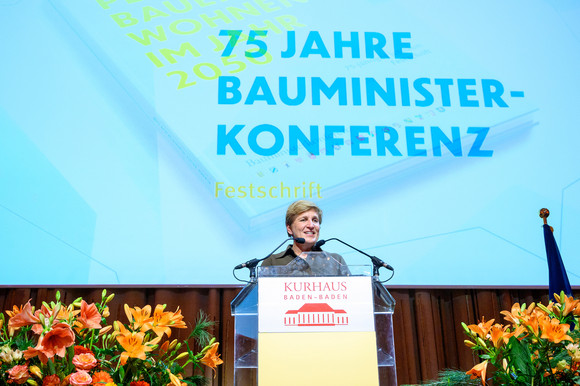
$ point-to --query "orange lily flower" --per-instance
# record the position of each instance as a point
(211, 357)
(478, 371)
(162, 321)
(498, 335)
(554, 331)
(519, 330)
(482, 328)
(570, 305)
(177, 319)
(65, 313)
(533, 322)
(517, 314)
(15, 310)
(137, 316)
(175, 381)
(133, 344)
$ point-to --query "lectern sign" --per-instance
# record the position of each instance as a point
(315, 304)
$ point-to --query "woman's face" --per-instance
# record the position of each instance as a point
(307, 226)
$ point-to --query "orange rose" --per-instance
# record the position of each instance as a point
(80, 378)
(82, 350)
(84, 361)
(51, 380)
(18, 374)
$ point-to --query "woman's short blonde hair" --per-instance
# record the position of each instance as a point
(301, 206)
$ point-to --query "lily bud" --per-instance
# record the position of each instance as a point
(116, 325)
(104, 330)
(164, 348)
(57, 296)
(469, 343)
(106, 312)
(481, 342)
(211, 341)
(56, 309)
(42, 318)
(543, 308)
(31, 382)
(177, 346)
(104, 294)
(1, 322)
(35, 370)
(203, 351)
(77, 302)
(128, 312)
(466, 329)
(109, 298)
(172, 344)
(182, 355)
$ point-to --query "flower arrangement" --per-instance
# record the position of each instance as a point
(72, 344)
(538, 346)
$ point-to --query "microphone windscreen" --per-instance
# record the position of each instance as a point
(300, 240)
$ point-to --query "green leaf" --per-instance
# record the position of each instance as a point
(200, 331)
(520, 359)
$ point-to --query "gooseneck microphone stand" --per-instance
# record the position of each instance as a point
(252, 264)
(377, 263)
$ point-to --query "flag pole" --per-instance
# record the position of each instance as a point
(558, 279)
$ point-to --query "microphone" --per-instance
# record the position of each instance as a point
(376, 261)
(254, 262)
(318, 244)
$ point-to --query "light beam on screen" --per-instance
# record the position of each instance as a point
(47, 228)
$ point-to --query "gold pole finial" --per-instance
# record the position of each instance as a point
(544, 213)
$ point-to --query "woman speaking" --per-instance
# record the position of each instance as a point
(303, 219)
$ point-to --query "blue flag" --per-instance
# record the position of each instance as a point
(558, 277)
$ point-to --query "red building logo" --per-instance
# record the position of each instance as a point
(316, 314)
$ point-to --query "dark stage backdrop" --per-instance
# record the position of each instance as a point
(428, 333)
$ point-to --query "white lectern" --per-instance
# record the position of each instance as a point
(314, 321)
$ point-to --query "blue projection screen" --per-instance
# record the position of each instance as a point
(160, 142)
